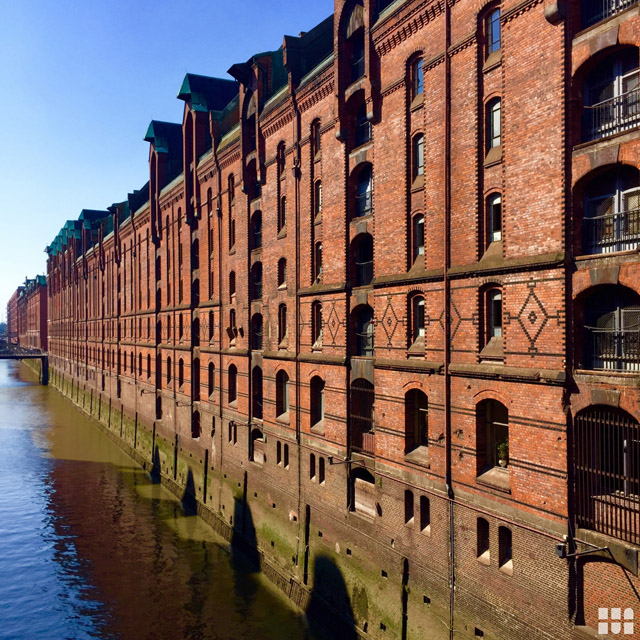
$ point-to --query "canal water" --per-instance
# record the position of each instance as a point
(91, 548)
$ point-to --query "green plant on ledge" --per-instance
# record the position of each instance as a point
(503, 453)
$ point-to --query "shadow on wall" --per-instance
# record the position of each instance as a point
(245, 557)
(155, 467)
(328, 597)
(189, 505)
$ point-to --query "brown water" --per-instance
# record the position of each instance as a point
(91, 548)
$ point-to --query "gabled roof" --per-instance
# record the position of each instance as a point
(166, 137)
(207, 94)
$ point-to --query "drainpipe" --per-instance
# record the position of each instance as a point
(446, 300)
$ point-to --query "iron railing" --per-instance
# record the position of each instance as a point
(364, 272)
(612, 116)
(607, 473)
(593, 11)
(364, 204)
(612, 232)
(364, 344)
(612, 349)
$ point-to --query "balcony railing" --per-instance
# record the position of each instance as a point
(364, 204)
(256, 290)
(596, 10)
(363, 441)
(612, 116)
(364, 344)
(613, 232)
(364, 273)
(612, 350)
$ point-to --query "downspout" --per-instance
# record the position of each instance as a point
(447, 318)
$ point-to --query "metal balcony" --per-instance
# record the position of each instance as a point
(612, 116)
(593, 11)
(612, 232)
(612, 350)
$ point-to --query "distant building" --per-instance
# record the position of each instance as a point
(27, 315)
(386, 283)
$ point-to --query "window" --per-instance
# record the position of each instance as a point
(140, 364)
(504, 550)
(364, 493)
(195, 424)
(286, 456)
(408, 507)
(233, 433)
(494, 218)
(232, 285)
(148, 364)
(312, 467)
(282, 323)
(425, 515)
(608, 482)
(280, 159)
(317, 198)
(195, 379)
(256, 281)
(232, 331)
(232, 392)
(282, 214)
(282, 272)
(168, 370)
(418, 235)
(418, 156)
(493, 124)
(494, 314)
(364, 331)
(364, 192)
(256, 380)
(417, 318)
(356, 62)
(231, 186)
(416, 419)
(482, 541)
(362, 416)
(180, 372)
(492, 31)
(256, 331)
(279, 453)
(417, 78)
(257, 452)
(316, 323)
(321, 471)
(282, 393)
(317, 262)
(256, 230)
(210, 325)
(492, 437)
(316, 408)
(316, 139)
(211, 379)
(363, 127)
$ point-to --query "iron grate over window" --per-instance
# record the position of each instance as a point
(607, 472)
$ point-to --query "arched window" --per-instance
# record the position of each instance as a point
(316, 139)
(493, 124)
(195, 254)
(231, 186)
(256, 331)
(232, 380)
(417, 320)
(257, 452)
(417, 78)
(417, 231)
(364, 192)
(316, 323)
(611, 338)
(232, 285)
(180, 372)
(492, 436)
(492, 322)
(492, 31)
(256, 281)
(210, 326)
(282, 214)
(280, 159)
(148, 364)
(362, 422)
(195, 379)
(312, 467)
(418, 156)
(416, 420)
(505, 558)
(195, 332)
(607, 472)
(256, 230)
(362, 252)
(316, 401)
(282, 323)
(363, 317)
(355, 43)
(317, 198)
(494, 218)
(140, 364)
(409, 507)
(282, 272)
(363, 126)
(317, 262)
(256, 381)
(211, 379)
(169, 370)
(483, 552)
(282, 393)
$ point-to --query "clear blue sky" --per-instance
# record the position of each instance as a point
(81, 81)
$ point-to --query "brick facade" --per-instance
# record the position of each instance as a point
(27, 319)
(469, 253)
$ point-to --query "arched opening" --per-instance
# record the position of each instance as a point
(492, 436)
(256, 331)
(195, 379)
(256, 230)
(232, 391)
(362, 260)
(316, 324)
(180, 372)
(363, 492)
(257, 452)
(363, 331)
(195, 254)
(211, 379)
(611, 333)
(316, 405)
(607, 472)
(195, 332)
(282, 393)
(416, 420)
(256, 281)
(256, 381)
(362, 416)
(195, 425)
(362, 189)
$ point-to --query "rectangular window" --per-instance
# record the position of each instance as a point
(425, 515)
(482, 541)
(504, 549)
(495, 314)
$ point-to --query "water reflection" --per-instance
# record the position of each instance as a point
(92, 548)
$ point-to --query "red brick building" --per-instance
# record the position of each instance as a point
(378, 306)
(12, 317)
(27, 320)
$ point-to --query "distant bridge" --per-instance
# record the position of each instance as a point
(16, 352)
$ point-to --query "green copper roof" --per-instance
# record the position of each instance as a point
(207, 94)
